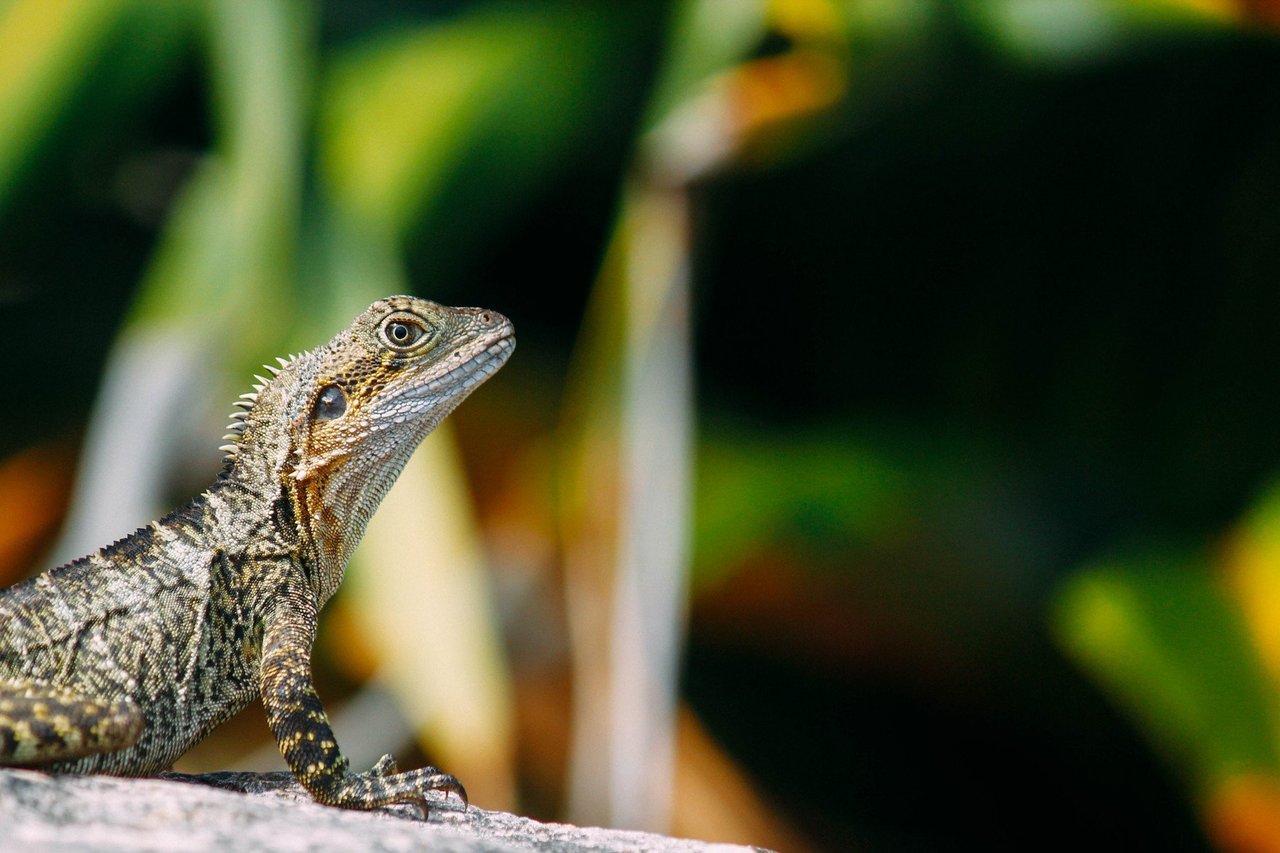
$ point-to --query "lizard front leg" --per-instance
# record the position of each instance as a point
(306, 739)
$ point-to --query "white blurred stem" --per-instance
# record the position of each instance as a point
(623, 750)
(155, 389)
(650, 593)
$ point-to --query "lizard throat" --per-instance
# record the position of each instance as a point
(337, 491)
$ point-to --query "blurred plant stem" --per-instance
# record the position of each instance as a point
(626, 508)
(628, 421)
(223, 269)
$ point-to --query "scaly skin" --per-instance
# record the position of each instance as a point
(122, 660)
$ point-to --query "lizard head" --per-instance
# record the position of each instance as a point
(336, 424)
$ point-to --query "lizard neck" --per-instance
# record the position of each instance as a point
(318, 509)
(275, 510)
(334, 503)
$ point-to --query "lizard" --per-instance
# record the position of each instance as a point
(120, 661)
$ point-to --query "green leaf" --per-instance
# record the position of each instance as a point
(54, 56)
(442, 128)
(1159, 632)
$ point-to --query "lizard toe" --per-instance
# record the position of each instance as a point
(385, 766)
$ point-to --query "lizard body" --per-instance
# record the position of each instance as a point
(122, 660)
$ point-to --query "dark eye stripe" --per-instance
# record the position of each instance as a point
(330, 405)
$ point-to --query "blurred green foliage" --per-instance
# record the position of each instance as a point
(1168, 641)
(811, 493)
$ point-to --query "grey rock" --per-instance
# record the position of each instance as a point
(269, 811)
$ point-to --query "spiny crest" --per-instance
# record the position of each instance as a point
(246, 402)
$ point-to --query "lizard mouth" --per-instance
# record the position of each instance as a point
(472, 364)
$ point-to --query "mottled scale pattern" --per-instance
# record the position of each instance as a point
(122, 660)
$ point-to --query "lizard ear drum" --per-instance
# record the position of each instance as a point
(330, 405)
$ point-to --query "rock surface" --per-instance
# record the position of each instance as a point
(257, 811)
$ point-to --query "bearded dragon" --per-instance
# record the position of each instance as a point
(122, 660)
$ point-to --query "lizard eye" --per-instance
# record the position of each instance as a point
(402, 333)
(330, 405)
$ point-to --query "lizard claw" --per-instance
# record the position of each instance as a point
(430, 779)
(437, 781)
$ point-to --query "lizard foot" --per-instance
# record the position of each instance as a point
(377, 787)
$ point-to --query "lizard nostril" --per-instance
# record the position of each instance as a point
(486, 318)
